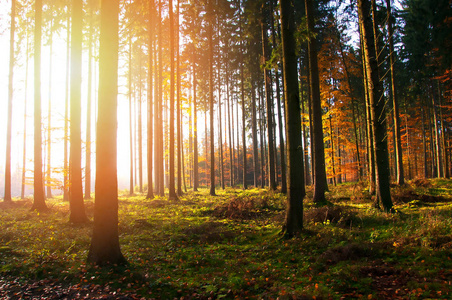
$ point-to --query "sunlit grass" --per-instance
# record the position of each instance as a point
(229, 246)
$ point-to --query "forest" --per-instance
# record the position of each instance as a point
(236, 149)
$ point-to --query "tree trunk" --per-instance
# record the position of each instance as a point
(395, 102)
(278, 104)
(269, 102)
(10, 104)
(211, 89)
(104, 247)
(129, 85)
(38, 199)
(242, 95)
(24, 156)
(293, 223)
(66, 112)
(172, 191)
(195, 129)
(178, 109)
(150, 129)
(49, 121)
(88, 108)
(77, 207)
(320, 185)
(254, 133)
(377, 102)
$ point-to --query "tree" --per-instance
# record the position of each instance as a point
(320, 185)
(38, 185)
(269, 101)
(377, 103)
(211, 89)
(104, 248)
(172, 190)
(395, 102)
(296, 186)
(10, 104)
(75, 161)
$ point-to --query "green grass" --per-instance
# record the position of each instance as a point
(229, 246)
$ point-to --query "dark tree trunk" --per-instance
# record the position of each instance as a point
(293, 223)
(104, 247)
(377, 102)
(269, 102)
(211, 89)
(395, 102)
(320, 185)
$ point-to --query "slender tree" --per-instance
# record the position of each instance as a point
(104, 247)
(172, 190)
(10, 104)
(150, 127)
(377, 103)
(296, 186)
(269, 102)
(211, 89)
(88, 105)
(38, 198)
(76, 188)
(320, 185)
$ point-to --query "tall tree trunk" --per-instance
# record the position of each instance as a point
(262, 138)
(66, 111)
(254, 133)
(24, 154)
(77, 207)
(178, 108)
(38, 197)
(10, 104)
(211, 89)
(104, 247)
(150, 129)
(88, 108)
(377, 102)
(49, 120)
(129, 95)
(172, 191)
(140, 130)
(395, 102)
(320, 185)
(195, 128)
(278, 104)
(231, 139)
(269, 102)
(160, 171)
(242, 96)
(293, 223)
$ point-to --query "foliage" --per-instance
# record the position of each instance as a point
(228, 246)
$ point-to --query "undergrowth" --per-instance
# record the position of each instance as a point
(229, 246)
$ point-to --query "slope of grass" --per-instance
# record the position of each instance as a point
(228, 246)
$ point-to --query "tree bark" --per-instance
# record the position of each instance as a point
(377, 102)
(211, 89)
(7, 197)
(296, 186)
(39, 198)
(269, 102)
(395, 101)
(104, 248)
(320, 185)
(77, 207)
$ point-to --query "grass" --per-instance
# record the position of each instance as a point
(228, 246)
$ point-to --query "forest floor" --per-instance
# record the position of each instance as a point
(229, 246)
